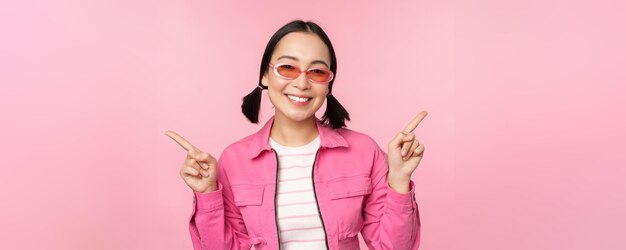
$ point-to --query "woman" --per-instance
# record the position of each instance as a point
(301, 182)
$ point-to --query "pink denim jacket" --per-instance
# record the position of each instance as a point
(350, 185)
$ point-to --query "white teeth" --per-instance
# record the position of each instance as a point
(297, 99)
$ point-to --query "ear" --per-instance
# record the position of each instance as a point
(264, 80)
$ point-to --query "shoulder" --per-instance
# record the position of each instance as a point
(358, 139)
(362, 153)
(242, 145)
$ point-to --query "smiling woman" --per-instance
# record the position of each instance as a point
(298, 96)
(301, 182)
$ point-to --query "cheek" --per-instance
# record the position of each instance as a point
(275, 88)
(275, 92)
(320, 100)
(323, 91)
(274, 96)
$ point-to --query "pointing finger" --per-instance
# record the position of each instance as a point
(198, 155)
(180, 140)
(416, 121)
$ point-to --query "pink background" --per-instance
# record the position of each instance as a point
(524, 138)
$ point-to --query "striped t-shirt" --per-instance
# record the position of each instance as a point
(299, 221)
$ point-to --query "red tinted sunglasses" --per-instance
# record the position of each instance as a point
(290, 71)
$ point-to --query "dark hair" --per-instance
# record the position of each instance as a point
(335, 114)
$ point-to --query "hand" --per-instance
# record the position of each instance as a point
(199, 170)
(404, 155)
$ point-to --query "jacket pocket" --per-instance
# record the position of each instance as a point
(349, 186)
(249, 200)
(347, 194)
(248, 194)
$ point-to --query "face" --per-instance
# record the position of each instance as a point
(300, 98)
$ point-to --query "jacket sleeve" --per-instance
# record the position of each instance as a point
(216, 222)
(391, 219)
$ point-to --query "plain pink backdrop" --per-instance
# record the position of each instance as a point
(524, 138)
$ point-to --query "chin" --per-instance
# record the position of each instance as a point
(299, 117)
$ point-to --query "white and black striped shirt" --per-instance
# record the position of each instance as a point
(298, 217)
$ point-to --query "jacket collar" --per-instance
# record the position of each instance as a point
(329, 138)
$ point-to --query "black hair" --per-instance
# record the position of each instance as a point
(335, 114)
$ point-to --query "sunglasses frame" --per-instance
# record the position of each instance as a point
(275, 69)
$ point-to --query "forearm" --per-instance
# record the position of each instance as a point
(392, 222)
(210, 228)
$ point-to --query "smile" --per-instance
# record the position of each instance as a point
(298, 100)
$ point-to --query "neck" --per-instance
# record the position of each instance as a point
(292, 133)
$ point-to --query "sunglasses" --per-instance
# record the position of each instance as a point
(290, 71)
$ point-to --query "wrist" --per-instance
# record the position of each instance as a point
(398, 177)
(399, 184)
(211, 188)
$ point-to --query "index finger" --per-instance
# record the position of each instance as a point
(180, 140)
(416, 121)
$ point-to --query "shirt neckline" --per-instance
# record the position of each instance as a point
(311, 144)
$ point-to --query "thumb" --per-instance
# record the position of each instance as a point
(201, 156)
(397, 141)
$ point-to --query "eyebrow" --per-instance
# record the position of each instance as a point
(296, 59)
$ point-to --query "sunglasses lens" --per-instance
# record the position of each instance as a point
(288, 71)
(319, 75)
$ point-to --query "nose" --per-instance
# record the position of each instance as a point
(302, 82)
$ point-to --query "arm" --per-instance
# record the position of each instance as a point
(391, 219)
(216, 222)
